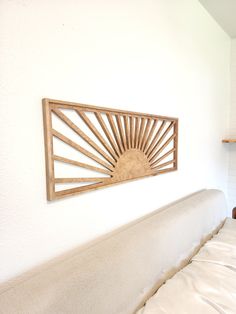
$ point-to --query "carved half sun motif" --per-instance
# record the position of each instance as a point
(111, 145)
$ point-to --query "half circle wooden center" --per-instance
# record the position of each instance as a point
(132, 164)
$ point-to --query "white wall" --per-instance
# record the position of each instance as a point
(231, 148)
(162, 57)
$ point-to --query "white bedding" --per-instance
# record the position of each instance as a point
(207, 285)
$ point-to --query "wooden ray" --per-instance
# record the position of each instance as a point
(162, 147)
(80, 164)
(115, 133)
(175, 144)
(149, 136)
(152, 152)
(155, 138)
(121, 131)
(162, 157)
(77, 190)
(128, 148)
(140, 137)
(164, 164)
(147, 128)
(127, 131)
(107, 133)
(97, 133)
(132, 131)
(75, 180)
(82, 150)
(75, 128)
(136, 132)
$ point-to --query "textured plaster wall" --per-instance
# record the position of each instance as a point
(161, 57)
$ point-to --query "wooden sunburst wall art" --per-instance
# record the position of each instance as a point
(89, 147)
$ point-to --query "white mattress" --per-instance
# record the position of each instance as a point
(206, 285)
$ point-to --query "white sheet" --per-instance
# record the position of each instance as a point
(207, 285)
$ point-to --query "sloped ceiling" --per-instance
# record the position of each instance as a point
(224, 12)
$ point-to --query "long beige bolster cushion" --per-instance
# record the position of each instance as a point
(120, 272)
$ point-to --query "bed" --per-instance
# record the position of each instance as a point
(178, 259)
(207, 284)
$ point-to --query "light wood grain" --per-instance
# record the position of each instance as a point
(78, 180)
(162, 148)
(145, 135)
(127, 131)
(164, 164)
(131, 131)
(90, 108)
(80, 164)
(149, 136)
(230, 140)
(163, 157)
(155, 147)
(107, 133)
(155, 138)
(130, 146)
(176, 132)
(47, 120)
(97, 133)
(82, 150)
(80, 189)
(115, 132)
(121, 132)
(83, 135)
(141, 131)
(136, 132)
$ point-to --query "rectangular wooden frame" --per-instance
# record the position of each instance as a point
(132, 136)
